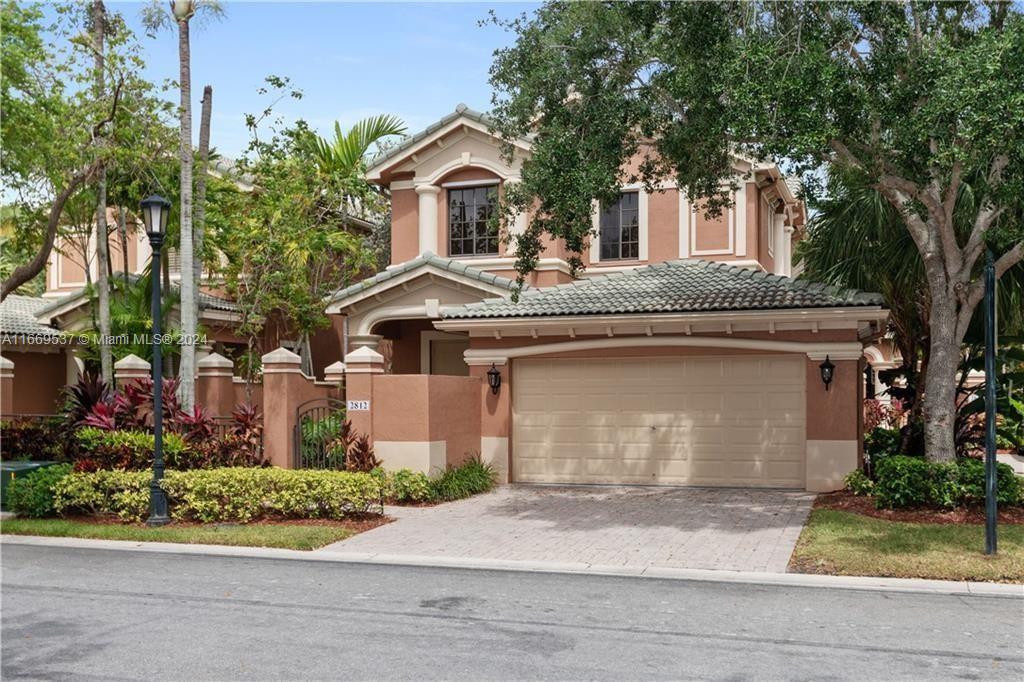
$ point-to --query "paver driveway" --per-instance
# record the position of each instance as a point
(716, 528)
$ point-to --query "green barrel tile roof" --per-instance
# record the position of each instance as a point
(682, 286)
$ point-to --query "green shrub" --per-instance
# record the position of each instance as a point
(32, 494)
(130, 450)
(858, 483)
(469, 478)
(406, 485)
(44, 439)
(882, 442)
(124, 494)
(227, 494)
(902, 482)
(965, 482)
(244, 494)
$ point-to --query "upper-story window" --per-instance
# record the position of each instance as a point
(471, 230)
(620, 228)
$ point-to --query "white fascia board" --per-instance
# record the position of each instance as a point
(783, 320)
(374, 172)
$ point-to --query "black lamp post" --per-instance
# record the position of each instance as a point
(991, 542)
(155, 210)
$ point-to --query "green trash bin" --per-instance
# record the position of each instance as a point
(11, 470)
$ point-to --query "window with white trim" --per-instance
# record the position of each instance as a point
(471, 230)
(620, 228)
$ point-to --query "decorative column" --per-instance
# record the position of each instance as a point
(283, 386)
(778, 220)
(335, 372)
(215, 388)
(787, 249)
(6, 386)
(131, 368)
(360, 367)
(427, 217)
(370, 341)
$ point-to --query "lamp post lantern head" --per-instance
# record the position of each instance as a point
(155, 210)
(828, 372)
(494, 379)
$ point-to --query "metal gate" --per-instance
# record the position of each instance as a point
(321, 434)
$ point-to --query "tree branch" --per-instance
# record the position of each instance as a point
(25, 272)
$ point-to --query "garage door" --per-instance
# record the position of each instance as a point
(722, 421)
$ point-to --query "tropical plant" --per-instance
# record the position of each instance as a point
(83, 395)
(298, 238)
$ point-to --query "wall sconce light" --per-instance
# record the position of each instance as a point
(494, 379)
(828, 372)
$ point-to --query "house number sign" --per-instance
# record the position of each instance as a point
(358, 405)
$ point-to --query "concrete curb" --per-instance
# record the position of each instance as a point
(943, 587)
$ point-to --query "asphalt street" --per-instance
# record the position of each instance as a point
(84, 613)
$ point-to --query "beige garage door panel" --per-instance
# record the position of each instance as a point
(698, 421)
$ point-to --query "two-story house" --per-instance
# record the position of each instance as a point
(686, 354)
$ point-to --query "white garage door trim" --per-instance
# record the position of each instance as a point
(735, 420)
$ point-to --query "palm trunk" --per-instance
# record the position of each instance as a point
(187, 368)
(102, 236)
(204, 162)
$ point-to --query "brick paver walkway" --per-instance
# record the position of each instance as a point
(714, 528)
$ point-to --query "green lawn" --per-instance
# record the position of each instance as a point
(251, 535)
(842, 543)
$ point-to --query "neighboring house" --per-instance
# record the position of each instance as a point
(686, 355)
(42, 362)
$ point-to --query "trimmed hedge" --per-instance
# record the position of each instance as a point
(405, 485)
(902, 482)
(221, 495)
(32, 494)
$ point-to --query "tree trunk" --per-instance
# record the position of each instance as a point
(187, 368)
(204, 162)
(939, 407)
(102, 235)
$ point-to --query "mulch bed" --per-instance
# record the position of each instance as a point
(865, 506)
(357, 523)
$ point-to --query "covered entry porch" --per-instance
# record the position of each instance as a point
(393, 313)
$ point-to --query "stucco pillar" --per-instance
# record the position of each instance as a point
(283, 386)
(335, 373)
(370, 341)
(361, 365)
(6, 386)
(495, 419)
(131, 368)
(833, 422)
(787, 249)
(778, 221)
(427, 213)
(215, 388)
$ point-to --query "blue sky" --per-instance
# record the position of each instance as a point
(415, 60)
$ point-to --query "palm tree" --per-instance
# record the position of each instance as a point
(182, 12)
(344, 156)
